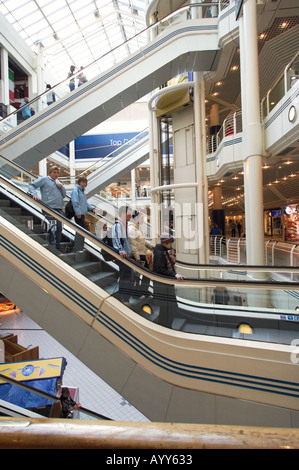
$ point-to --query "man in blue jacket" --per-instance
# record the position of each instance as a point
(122, 245)
(52, 194)
(81, 207)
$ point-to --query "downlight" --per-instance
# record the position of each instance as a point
(147, 309)
(245, 329)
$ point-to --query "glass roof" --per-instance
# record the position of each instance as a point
(74, 32)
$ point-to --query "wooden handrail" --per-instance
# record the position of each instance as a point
(43, 433)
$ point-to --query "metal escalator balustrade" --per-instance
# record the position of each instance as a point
(203, 304)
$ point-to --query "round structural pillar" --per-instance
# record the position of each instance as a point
(252, 135)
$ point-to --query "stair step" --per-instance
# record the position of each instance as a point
(4, 202)
(13, 210)
(88, 266)
(101, 278)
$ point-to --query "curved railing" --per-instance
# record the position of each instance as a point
(231, 125)
(287, 78)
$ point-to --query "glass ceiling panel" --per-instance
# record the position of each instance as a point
(74, 31)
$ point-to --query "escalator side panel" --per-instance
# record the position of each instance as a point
(71, 288)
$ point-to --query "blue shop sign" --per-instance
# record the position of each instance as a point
(99, 146)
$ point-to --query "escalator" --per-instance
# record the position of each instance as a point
(164, 354)
(20, 395)
(181, 47)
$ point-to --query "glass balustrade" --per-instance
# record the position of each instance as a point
(210, 300)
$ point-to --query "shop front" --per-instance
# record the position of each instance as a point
(291, 223)
(274, 223)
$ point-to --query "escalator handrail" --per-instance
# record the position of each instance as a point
(147, 29)
(189, 282)
(237, 267)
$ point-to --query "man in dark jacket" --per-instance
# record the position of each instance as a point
(164, 295)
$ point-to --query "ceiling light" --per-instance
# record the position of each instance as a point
(284, 24)
(147, 309)
(215, 94)
(262, 36)
(219, 83)
(246, 329)
(235, 67)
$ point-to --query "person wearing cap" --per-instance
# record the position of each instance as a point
(163, 262)
(164, 295)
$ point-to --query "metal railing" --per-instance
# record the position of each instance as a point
(288, 77)
(231, 125)
(233, 250)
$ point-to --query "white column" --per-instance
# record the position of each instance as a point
(42, 167)
(40, 76)
(200, 158)
(252, 134)
(4, 82)
(133, 189)
(72, 162)
(196, 12)
(154, 176)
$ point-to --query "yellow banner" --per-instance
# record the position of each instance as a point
(32, 370)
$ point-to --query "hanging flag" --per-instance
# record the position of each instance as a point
(11, 77)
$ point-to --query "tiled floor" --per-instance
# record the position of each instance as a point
(94, 393)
